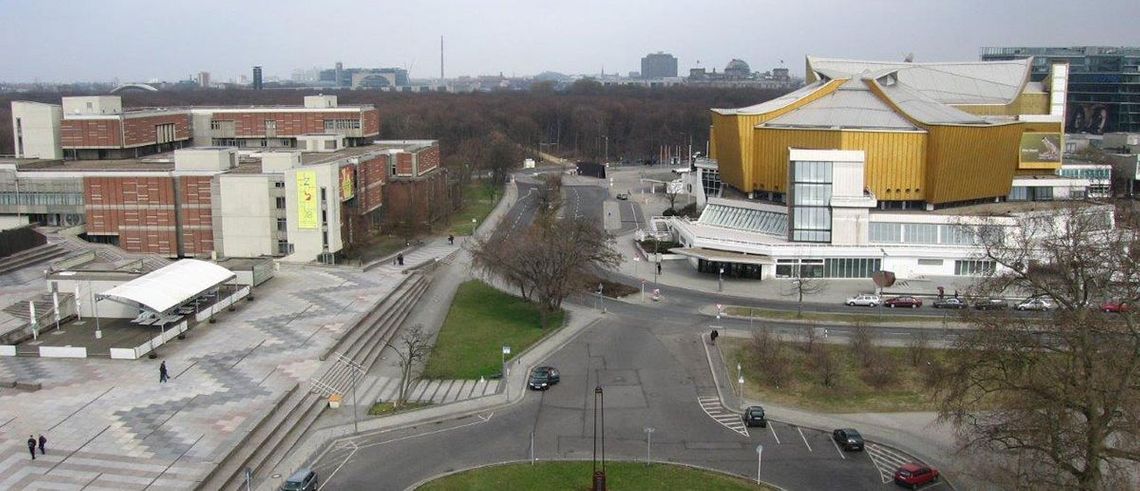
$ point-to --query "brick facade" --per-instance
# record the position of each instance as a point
(427, 159)
(371, 122)
(144, 213)
(414, 202)
(90, 133)
(139, 131)
(371, 176)
(404, 165)
(290, 124)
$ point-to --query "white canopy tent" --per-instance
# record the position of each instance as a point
(170, 286)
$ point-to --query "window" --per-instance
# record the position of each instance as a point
(281, 225)
(164, 133)
(392, 168)
(330, 144)
(973, 267)
(929, 262)
(920, 233)
(859, 267)
(279, 184)
(811, 201)
(280, 202)
(283, 247)
(342, 124)
(889, 233)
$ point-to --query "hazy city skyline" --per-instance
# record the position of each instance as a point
(135, 41)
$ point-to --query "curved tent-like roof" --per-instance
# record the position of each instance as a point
(170, 286)
(851, 106)
(977, 82)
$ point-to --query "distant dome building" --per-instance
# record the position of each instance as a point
(737, 69)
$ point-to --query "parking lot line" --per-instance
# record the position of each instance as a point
(840, 450)
(801, 431)
(773, 428)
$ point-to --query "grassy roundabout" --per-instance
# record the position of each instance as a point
(480, 321)
(575, 475)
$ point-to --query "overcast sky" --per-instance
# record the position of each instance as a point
(102, 40)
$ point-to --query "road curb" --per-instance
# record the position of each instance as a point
(711, 311)
(422, 482)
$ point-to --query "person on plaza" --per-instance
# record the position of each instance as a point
(941, 292)
(450, 239)
(163, 375)
(659, 267)
(400, 259)
(955, 293)
(43, 442)
(32, 446)
(713, 336)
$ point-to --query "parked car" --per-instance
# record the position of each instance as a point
(1036, 304)
(907, 302)
(1115, 307)
(302, 480)
(864, 300)
(949, 303)
(754, 416)
(623, 196)
(543, 377)
(991, 304)
(848, 439)
(914, 475)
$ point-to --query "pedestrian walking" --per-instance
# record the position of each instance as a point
(163, 375)
(32, 446)
(43, 442)
(941, 292)
(955, 293)
(658, 267)
(400, 259)
(450, 239)
(714, 335)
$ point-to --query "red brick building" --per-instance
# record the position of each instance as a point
(417, 193)
(156, 212)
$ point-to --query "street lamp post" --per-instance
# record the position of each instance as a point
(648, 444)
(473, 223)
(759, 455)
(740, 380)
(506, 351)
(601, 300)
(720, 280)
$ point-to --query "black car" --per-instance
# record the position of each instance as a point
(543, 377)
(848, 439)
(950, 303)
(754, 416)
(623, 196)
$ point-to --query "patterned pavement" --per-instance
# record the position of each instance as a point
(111, 425)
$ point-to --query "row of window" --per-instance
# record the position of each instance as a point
(921, 233)
(42, 199)
(342, 124)
(973, 267)
(1030, 193)
(845, 267)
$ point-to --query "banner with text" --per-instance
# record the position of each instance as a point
(307, 200)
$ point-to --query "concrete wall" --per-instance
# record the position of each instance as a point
(320, 101)
(35, 130)
(99, 104)
(208, 159)
(12, 221)
(246, 216)
(308, 243)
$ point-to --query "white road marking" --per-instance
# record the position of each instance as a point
(715, 410)
(837, 449)
(801, 431)
(342, 462)
(885, 460)
(773, 428)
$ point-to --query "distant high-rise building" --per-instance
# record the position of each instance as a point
(257, 78)
(1102, 83)
(204, 80)
(339, 73)
(658, 65)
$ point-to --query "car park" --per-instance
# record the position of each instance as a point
(1115, 307)
(903, 302)
(848, 439)
(543, 378)
(864, 300)
(913, 475)
(991, 304)
(754, 416)
(302, 480)
(1036, 304)
(949, 303)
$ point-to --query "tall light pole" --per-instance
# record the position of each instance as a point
(740, 380)
(759, 454)
(720, 280)
(601, 300)
(648, 444)
(473, 223)
(506, 351)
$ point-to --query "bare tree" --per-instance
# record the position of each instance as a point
(810, 337)
(826, 365)
(1059, 393)
(918, 347)
(553, 258)
(800, 286)
(671, 195)
(880, 371)
(412, 347)
(769, 359)
(863, 341)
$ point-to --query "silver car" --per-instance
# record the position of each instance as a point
(864, 300)
(1036, 304)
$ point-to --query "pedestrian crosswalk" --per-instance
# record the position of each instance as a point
(383, 389)
(713, 407)
(886, 460)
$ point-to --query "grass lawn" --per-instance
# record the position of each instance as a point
(576, 476)
(386, 408)
(477, 204)
(480, 321)
(870, 317)
(849, 393)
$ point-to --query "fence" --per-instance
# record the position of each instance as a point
(150, 345)
(222, 304)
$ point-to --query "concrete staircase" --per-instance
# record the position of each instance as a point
(31, 256)
(272, 438)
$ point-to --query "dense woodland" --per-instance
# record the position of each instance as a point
(578, 122)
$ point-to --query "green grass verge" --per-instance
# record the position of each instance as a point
(577, 476)
(871, 317)
(480, 321)
(477, 204)
(849, 393)
(386, 408)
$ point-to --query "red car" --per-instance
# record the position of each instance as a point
(1115, 307)
(908, 302)
(914, 475)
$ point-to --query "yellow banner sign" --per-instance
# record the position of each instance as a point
(307, 205)
(347, 182)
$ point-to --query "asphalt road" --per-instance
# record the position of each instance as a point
(652, 376)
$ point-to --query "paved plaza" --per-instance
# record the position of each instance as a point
(110, 424)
